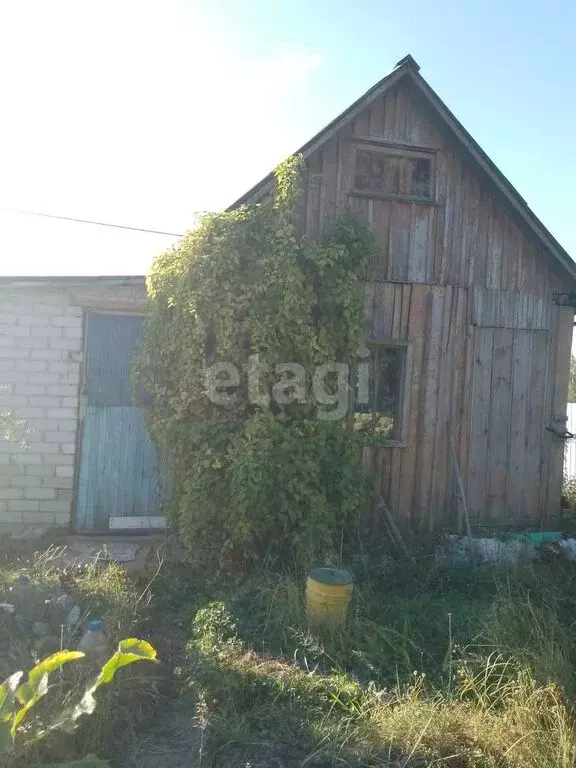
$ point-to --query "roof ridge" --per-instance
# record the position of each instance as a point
(408, 67)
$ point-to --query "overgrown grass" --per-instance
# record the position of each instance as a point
(452, 667)
(435, 666)
(101, 590)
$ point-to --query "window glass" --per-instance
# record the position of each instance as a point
(388, 174)
(377, 406)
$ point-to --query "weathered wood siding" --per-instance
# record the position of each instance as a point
(466, 237)
(463, 281)
(415, 478)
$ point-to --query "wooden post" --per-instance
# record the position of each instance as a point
(462, 497)
(383, 507)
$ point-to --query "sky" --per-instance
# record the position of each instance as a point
(146, 113)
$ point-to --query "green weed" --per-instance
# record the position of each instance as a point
(462, 668)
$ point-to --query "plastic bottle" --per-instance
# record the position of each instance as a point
(93, 642)
(21, 593)
(74, 616)
(65, 603)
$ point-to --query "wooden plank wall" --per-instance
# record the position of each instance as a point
(416, 478)
(507, 425)
(492, 308)
(465, 237)
(470, 288)
(559, 367)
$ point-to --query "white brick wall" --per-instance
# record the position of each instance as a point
(41, 349)
(31, 341)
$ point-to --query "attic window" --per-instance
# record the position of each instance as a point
(392, 173)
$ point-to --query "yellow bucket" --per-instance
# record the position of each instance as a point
(328, 592)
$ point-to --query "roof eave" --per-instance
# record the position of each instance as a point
(407, 67)
(496, 176)
(259, 190)
(43, 281)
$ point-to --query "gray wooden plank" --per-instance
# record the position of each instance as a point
(494, 256)
(559, 374)
(397, 313)
(399, 241)
(380, 220)
(445, 395)
(417, 320)
(535, 425)
(429, 404)
(499, 425)
(419, 243)
(521, 369)
(479, 422)
(439, 213)
(383, 310)
(376, 127)
(406, 299)
(329, 190)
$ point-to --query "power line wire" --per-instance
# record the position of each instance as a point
(89, 221)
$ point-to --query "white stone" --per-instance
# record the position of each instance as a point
(45, 331)
(43, 424)
(26, 481)
(15, 353)
(45, 378)
(58, 459)
(23, 506)
(29, 413)
(74, 333)
(62, 471)
(27, 458)
(43, 401)
(30, 366)
(41, 471)
(46, 448)
(68, 321)
(33, 320)
(61, 413)
(57, 481)
(39, 493)
(64, 438)
(11, 401)
(63, 390)
(7, 492)
(55, 506)
(14, 330)
(71, 344)
(29, 389)
(46, 354)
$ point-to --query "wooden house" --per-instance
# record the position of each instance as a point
(468, 304)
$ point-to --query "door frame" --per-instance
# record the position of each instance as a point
(86, 311)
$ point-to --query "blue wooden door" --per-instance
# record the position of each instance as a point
(118, 467)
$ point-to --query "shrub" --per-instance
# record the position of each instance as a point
(256, 473)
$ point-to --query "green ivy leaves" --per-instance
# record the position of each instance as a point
(249, 479)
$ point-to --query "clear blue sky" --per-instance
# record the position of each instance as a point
(143, 113)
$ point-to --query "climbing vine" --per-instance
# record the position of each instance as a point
(244, 313)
